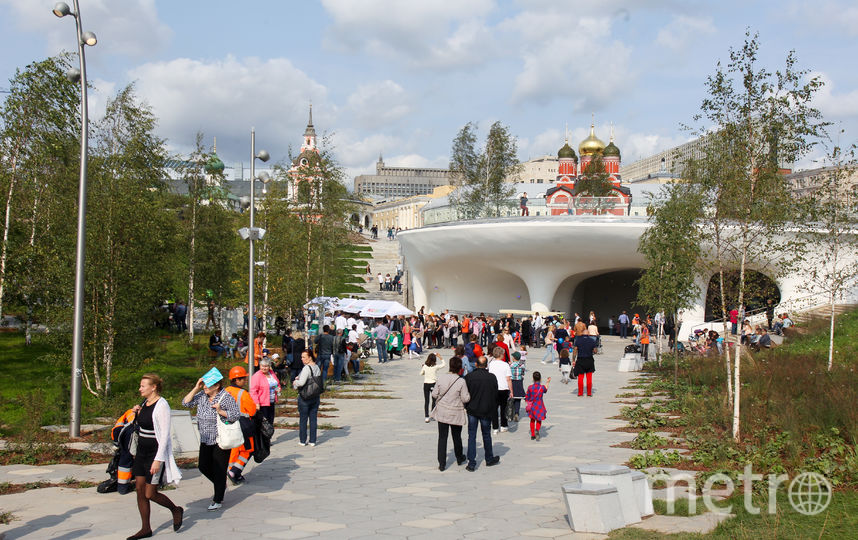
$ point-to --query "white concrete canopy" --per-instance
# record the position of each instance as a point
(538, 263)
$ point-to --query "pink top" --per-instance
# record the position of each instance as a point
(259, 389)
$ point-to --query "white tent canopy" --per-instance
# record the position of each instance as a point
(380, 308)
(366, 308)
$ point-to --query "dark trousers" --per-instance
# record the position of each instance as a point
(212, 463)
(427, 389)
(485, 425)
(267, 412)
(308, 412)
(503, 397)
(624, 330)
(442, 443)
(323, 362)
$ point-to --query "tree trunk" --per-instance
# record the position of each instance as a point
(5, 247)
(831, 336)
(676, 350)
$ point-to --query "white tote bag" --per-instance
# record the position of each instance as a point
(229, 434)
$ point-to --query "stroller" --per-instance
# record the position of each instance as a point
(365, 345)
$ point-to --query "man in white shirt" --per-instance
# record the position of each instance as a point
(399, 268)
(380, 279)
(340, 322)
(350, 322)
(361, 327)
(501, 370)
(353, 334)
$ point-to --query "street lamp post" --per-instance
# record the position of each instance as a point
(262, 156)
(61, 9)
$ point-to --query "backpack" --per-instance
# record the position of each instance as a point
(343, 346)
(469, 352)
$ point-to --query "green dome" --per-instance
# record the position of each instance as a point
(611, 150)
(566, 152)
(214, 165)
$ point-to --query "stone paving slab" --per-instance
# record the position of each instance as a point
(376, 477)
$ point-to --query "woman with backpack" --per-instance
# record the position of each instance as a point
(309, 385)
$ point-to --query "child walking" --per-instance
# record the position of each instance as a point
(430, 377)
(565, 365)
(535, 404)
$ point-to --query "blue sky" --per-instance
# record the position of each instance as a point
(401, 77)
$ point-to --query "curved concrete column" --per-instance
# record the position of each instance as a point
(418, 289)
(695, 315)
(541, 284)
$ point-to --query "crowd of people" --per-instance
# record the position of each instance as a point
(480, 386)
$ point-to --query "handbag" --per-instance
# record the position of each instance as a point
(313, 388)
(229, 434)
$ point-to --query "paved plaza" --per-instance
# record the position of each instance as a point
(377, 477)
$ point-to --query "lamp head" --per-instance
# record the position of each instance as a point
(73, 75)
(244, 233)
(263, 156)
(89, 39)
(264, 177)
(61, 9)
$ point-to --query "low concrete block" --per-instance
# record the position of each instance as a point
(643, 493)
(593, 508)
(186, 438)
(618, 476)
(630, 362)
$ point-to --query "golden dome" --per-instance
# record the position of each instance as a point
(592, 144)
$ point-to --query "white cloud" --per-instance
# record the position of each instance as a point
(683, 31)
(575, 59)
(424, 33)
(834, 106)
(225, 98)
(829, 16)
(378, 103)
(131, 27)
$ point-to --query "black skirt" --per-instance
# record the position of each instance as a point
(584, 364)
(146, 452)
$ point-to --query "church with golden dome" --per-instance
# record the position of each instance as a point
(569, 195)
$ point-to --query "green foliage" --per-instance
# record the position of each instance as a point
(595, 180)
(481, 175)
(656, 458)
(647, 440)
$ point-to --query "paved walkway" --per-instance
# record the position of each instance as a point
(377, 477)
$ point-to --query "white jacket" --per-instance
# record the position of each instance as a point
(161, 419)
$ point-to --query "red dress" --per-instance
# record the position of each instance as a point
(537, 406)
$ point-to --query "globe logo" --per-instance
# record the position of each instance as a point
(809, 493)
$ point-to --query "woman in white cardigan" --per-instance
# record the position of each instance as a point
(154, 464)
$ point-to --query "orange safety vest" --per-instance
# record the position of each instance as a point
(123, 421)
(644, 335)
(245, 402)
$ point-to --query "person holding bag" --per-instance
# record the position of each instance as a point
(310, 386)
(215, 406)
(153, 455)
(450, 394)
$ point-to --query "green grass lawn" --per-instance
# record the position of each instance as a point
(36, 392)
(838, 521)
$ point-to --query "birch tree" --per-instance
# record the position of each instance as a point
(39, 130)
(127, 235)
(761, 120)
(482, 175)
(830, 224)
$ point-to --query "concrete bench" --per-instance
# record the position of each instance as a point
(643, 493)
(630, 362)
(619, 477)
(593, 508)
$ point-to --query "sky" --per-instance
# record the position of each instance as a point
(401, 77)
